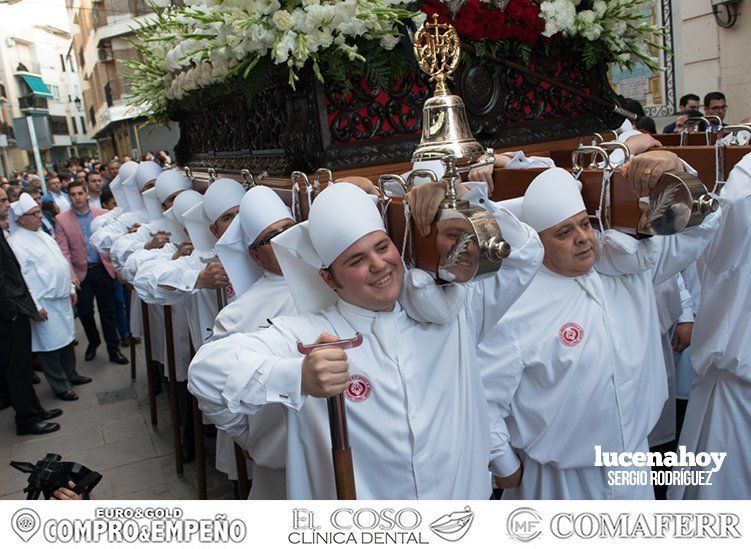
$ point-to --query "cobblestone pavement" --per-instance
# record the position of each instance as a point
(108, 429)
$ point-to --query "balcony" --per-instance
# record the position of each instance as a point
(32, 103)
(115, 91)
(30, 67)
(7, 131)
(110, 12)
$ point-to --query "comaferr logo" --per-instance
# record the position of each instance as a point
(359, 388)
(524, 524)
(570, 334)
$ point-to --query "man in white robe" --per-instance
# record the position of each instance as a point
(718, 417)
(48, 275)
(110, 226)
(245, 251)
(577, 362)
(416, 412)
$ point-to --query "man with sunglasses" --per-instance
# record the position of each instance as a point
(262, 295)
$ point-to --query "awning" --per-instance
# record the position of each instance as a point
(37, 85)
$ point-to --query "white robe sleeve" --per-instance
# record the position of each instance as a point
(126, 245)
(243, 372)
(687, 302)
(33, 282)
(729, 248)
(159, 281)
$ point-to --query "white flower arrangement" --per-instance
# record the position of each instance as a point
(617, 24)
(208, 41)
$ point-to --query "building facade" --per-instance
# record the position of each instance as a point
(101, 30)
(39, 82)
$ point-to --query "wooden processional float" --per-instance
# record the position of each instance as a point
(678, 201)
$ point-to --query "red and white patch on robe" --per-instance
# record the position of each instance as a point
(229, 291)
(359, 388)
(570, 334)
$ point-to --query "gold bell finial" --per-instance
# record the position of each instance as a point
(445, 129)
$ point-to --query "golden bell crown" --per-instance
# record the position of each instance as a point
(445, 128)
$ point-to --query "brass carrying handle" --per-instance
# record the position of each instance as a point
(248, 180)
(386, 177)
(188, 172)
(489, 160)
(728, 130)
(421, 172)
(588, 149)
(213, 176)
(712, 119)
(317, 177)
(612, 145)
(694, 121)
(301, 175)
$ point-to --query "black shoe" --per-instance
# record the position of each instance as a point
(90, 353)
(67, 395)
(35, 379)
(51, 414)
(80, 380)
(125, 341)
(41, 428)
(118, 358)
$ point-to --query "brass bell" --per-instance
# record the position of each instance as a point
(445, 129)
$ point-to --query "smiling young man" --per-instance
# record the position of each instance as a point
(577, 361)
(416, 411)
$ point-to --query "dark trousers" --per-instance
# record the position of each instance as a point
(121, 309)
(59, 367)
(98, 284)
(15, 356)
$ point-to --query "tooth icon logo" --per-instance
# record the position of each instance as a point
(25, 523)
(454, 526)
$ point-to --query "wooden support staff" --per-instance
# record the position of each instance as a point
(149, 364)
(176, 439)
(200, 454)
(344, 472)
(242, 472)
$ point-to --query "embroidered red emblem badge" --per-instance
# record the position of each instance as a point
(359, 388)
(570, 334)
(229, 291)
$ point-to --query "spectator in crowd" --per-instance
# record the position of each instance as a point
(715, 104)
(107, 198)
(48, 276)
(646, 124)
(81, 176)
(16, 374)
(163, 159)
(12, 193)
(689, 102)
(55, 193)
(65, 178)
(148, 156)
(94, 186)
(111, 170)
(93, 273)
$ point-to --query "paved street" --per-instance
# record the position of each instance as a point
(109, 430)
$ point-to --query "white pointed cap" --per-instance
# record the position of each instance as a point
(552, 197)
(232, 251)
(222, 195)
(170, 224)
(147, 171)
(153, 206)
(118, 192)
(197, 224)
(170, 182)
(260, 208)
(183, 202)
(133, 195)
(514, 205)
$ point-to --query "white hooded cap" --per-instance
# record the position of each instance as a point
(221, 195)
(514, 205)
(169, 182)
(183, 202)
(260, 208)
(24, 204)
(133, 195)
(153, 206)
(147, 171)
(552, 197)
(197, 224)
(116, 185)
(340, 216)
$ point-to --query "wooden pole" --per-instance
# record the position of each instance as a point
(176, 439)
(200, 454)
(242, 472)
(149, 363)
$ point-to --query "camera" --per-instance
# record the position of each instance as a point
(52, 473)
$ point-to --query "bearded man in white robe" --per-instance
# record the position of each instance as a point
(416, 412)
(48, 275)
(577, 362)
